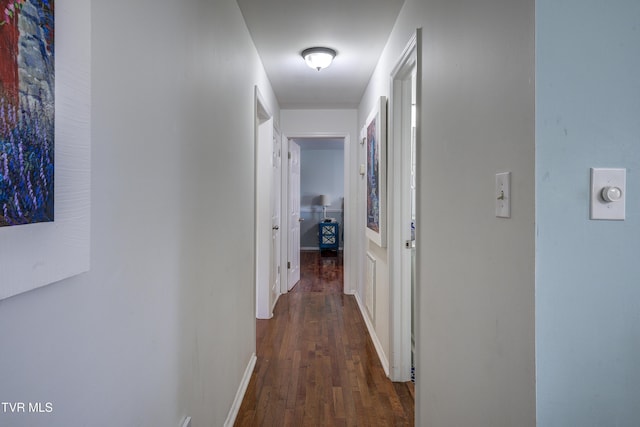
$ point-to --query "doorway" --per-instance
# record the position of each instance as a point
(404, 112)
(268, 167)
(315, 181)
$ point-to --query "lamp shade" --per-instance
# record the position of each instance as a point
(324, 200)
(318, 57)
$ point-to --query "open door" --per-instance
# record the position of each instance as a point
(294, 215)
(276, 188)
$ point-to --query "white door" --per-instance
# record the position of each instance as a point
(294, 214)
(275, 265)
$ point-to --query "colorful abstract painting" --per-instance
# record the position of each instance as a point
(374, 134)
(27, 111)
(373, 178)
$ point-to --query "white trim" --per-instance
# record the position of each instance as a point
(262, 111)
(370, 286)
(409, 50)
(284, 214)
(242, 389)
(400, 292)
(273, 306)
(374, 338)
(262, 296)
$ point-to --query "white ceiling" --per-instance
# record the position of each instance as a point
(356, 29)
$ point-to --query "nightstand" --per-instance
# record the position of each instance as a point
(328, 235)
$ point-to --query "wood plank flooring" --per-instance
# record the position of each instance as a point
(316, 363)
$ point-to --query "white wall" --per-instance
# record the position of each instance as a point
(475, 309)
(336, 123)
(163, 325)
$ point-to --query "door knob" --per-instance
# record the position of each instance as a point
(275, 227)
(300, 219)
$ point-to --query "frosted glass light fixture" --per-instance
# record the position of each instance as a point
(318, 57)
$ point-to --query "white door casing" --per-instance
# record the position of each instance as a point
(263, 210)
(276, 262)
(404, 87)
(294, 215)
(349, 230)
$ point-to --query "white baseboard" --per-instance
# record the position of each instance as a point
(235, 407)
(372, 332)
(273, 307)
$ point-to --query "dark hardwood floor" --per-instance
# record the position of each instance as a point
(316, 363)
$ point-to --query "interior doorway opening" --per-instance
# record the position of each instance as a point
(321, 190)
(268, 153)
(405, 131)
(316, 188)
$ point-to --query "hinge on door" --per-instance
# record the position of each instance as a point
(289, 265)
(289, 154)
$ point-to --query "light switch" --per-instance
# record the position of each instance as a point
(608, 193)
(503, 195)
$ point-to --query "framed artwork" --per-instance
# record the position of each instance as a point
(27, 112)
(376, 145)
(45, 142)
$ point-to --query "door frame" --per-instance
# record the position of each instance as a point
(349, 205)
(401, 301)
(262, 116)
(276, 254)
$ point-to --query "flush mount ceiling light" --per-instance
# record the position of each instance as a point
(318, 57)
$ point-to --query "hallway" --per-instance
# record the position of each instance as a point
(136, 306)
(316, 363)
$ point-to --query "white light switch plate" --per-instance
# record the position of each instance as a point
(503, 195)
(601, 178)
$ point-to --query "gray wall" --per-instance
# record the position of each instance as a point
(163, 325)
(587, 272)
